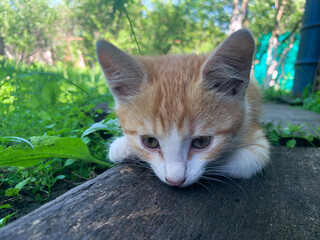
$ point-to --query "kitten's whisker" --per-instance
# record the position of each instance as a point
(237, 184)
(212, 179)
(225, 176)
(203, 185)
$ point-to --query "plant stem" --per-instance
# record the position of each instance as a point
(131, 27)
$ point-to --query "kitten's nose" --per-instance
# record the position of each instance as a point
(175, 182)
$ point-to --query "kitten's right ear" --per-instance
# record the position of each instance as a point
(124, 74)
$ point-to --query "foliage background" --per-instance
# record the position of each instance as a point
(66, 30)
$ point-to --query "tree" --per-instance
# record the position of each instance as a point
(273, 42)
(239, 16)
(25, 26)
(5, 15)
(278, 18)
(182, 26)
(92, 18)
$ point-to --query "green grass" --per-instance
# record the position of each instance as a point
(311, 101)
(293, 135)
(270, 94)
(308, 100)
(39, 100)
(54, 103)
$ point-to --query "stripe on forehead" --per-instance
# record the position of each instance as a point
(171, 96)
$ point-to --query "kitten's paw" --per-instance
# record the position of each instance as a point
(119, 150)
(248, 161)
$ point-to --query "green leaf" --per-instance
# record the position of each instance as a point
(48, 147)
(43, 166)
(12, 192)
(51, 125)
(69, 162)
(39, 198)
(98, 110)
(109, 125)
(269, 125)
(287, 131)
(44, 116)
(21, 184)
(295, 128)
(59, 177)
(5, 206)
(309, 138)
(274, 136)
(291, 143)
(3, 220)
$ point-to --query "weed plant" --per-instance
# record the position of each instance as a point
(308, 100)
(56, 104)
(311, 101)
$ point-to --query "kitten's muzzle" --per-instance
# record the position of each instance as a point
(175, 183)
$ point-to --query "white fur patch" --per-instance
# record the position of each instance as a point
(175, 151)
(119, 150)
(246, 162)
(175, 166)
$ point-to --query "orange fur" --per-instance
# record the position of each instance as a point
(173, 95)
(178, 98)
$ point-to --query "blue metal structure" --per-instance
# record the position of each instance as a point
(309, 49)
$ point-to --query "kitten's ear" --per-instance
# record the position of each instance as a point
(124, 74)
(227, 70)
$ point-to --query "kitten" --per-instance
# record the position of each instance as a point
(188, 115)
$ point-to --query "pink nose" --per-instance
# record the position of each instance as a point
(175, 182)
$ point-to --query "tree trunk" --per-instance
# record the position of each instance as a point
(271, 59)
(80, 63)
(273, 45)
(238, 16)
(281, 62)
(128, 202)
(2, 46)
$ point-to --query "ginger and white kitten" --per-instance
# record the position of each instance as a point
(183, 113)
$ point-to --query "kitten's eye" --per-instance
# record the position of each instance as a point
(150, 142)
(201, 142)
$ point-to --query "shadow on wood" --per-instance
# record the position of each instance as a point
(127, 202)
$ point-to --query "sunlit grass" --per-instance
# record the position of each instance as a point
(39, 100)
(33, 97)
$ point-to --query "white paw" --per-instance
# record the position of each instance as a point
(119, 150)
(247, 162)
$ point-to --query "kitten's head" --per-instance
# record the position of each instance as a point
(180, 112)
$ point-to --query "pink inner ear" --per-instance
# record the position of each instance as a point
(112, 73)
(228, 69)
(121, 91)
(123, 72)
(104, 59)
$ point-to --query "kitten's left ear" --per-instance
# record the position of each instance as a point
(124, 74)
(227, 70)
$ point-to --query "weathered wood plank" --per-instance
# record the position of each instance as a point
(127, 202)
